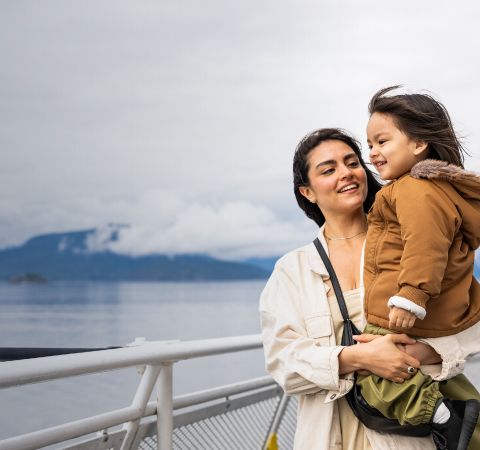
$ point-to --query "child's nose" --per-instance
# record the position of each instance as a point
(372, 153)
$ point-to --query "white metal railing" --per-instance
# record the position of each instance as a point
(155, 359)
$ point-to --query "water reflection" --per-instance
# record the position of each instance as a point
(76, 314)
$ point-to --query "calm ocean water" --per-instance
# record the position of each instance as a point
(87, 314)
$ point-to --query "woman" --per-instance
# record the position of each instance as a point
(301, 320)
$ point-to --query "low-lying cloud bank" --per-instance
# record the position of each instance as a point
(232, 231)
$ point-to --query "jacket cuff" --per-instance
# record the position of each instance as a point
(325, 367)
(415, 295)
(407, 305)
(344, 383)
(449, 350)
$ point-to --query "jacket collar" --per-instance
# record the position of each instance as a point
(314, 261)
(434, 169)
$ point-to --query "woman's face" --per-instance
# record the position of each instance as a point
(338, 182)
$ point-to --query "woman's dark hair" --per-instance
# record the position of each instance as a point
(301, 166)
(423, 118)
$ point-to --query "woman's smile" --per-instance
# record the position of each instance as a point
(350, 188)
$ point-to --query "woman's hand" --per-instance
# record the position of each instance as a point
(423, 352)
(363, 339)
(379, 356)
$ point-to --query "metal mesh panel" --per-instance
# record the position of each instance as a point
(149, 443)
(243, 429)
(288, 425)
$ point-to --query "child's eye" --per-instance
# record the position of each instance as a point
(382, 142)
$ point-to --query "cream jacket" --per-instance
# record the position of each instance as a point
(302, 356)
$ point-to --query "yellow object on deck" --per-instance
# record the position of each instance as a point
(272, 442)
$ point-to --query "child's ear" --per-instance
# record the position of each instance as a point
(420, 147)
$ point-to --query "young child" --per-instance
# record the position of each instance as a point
(424, 228)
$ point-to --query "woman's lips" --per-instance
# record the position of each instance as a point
(351, 190)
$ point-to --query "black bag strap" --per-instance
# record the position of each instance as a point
(349, 329)
(334, 279)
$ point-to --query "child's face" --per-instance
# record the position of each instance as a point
(391, 151)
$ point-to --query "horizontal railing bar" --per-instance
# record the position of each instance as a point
(113, 440)
(195, 398)
(18, 353)
(60, 433)
(19, 373)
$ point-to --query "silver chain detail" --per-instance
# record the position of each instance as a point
(341, 239)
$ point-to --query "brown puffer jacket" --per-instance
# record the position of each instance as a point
(424, 229)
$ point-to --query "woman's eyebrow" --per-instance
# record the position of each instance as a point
(325, 163)
(332, 161)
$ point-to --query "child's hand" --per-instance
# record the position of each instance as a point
(401, 318)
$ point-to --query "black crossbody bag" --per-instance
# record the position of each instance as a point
(370, 417)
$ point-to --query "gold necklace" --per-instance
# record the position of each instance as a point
(341, 239)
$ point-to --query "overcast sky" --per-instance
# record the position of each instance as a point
(181, 118)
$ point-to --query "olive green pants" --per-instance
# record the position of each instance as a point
(414, 400)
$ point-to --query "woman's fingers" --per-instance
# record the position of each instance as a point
(411, 361)
(363, 338)
(365, 373)
(399, 380)
(408, 360)
(401, 339)
(387, 361)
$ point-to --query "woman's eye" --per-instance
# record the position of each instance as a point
(328, 171)
(354, 164)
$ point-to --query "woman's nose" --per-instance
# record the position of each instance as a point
(345, 172)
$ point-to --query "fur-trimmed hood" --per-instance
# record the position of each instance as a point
(465, 195)
(441, 170)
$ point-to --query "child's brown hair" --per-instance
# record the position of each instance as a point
(422, 118)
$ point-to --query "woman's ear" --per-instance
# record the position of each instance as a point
(307, 193)
(420, 147)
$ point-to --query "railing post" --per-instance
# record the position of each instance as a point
(271, 438)
(140, 402)
(165, 408)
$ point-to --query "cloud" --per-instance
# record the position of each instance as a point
(231, 231)
(181, 118)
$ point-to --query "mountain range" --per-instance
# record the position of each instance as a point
(65, 256)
